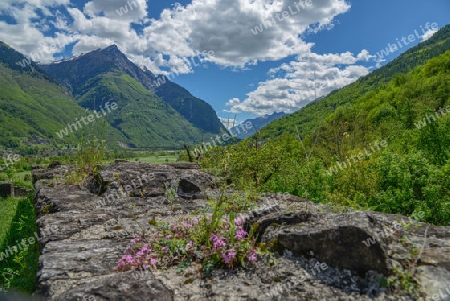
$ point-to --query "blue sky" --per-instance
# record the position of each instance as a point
(324, 44)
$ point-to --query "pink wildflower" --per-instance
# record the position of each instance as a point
(217, 242)
(239, 221)
(252, 257)
(225, 258)
(128, 258)
(231, 254)
(241, 234)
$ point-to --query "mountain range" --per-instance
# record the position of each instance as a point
(50, 100)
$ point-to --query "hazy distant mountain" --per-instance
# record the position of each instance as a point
(243, 132)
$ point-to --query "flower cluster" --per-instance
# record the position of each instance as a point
(143, 256)
(228, 244)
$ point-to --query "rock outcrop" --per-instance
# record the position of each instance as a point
(321, 255)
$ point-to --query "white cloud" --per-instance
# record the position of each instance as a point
(32, 42)
(7, 4)
(181, 32)
(225, 27)
(233, 102)
(296, 84)
(131, 11)
(222, 27)
(429, 34)
(219, 26)
(29, 34)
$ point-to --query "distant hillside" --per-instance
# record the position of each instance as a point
(310, 117)
(257, 124)
(75, 73)
(33, 105)
(197, 111)
(141, 116)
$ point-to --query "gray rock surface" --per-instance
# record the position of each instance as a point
(84, 230)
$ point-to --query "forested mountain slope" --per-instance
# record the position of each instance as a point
(309, 117)
(386, 150)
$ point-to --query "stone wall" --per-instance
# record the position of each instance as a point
(84, 231)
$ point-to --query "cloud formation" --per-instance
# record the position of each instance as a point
(296, 84)
(222, 27)
(428, 34)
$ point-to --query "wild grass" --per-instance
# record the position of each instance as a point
(18, 272)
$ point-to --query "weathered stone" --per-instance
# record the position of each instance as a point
(54, 164)
(50, 174)
(187, 189)
(366, 241)
(84, 231)
(184, 165)
(121, 286)
(21, 192)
